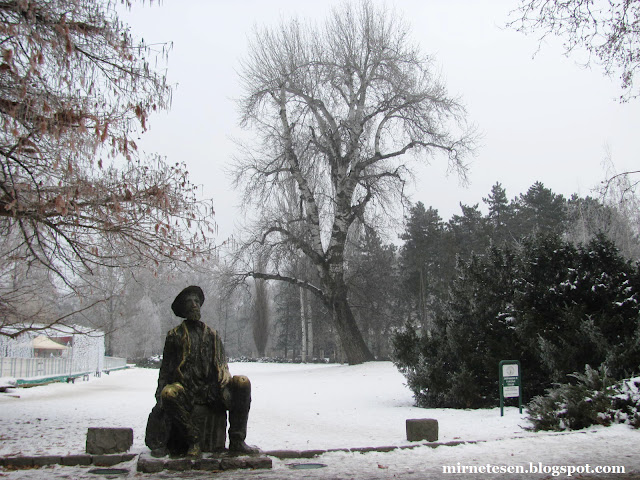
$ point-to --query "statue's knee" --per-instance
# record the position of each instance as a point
(240, 394)
(172, 391)
(241, 382)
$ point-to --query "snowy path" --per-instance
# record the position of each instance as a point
(310, 407)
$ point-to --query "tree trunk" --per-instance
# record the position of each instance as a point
(303, 321)
(309, 318)
(261, 317)
(353, 345)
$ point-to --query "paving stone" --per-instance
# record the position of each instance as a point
(178, 464)
(284, 454)
(233, 463)
(311, 453)
(150, 465)
(207, 464)
(422, 429)
(108, 460)
(408, 447)
(455, 443)
(18, 462)
(259, 462)
(46, 460)
(363, 449)
(74, 460)
(389, 448)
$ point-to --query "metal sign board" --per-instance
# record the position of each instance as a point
(510, 382)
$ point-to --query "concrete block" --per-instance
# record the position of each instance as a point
(102, 441)
(422, 429)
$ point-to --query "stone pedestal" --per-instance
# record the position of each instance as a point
(209, 462)
(422, 429)
(104, 441)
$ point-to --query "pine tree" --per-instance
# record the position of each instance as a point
(540, 211)
(469, 231)
(427, 262)
(500, 216)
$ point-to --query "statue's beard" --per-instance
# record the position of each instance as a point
(193, 315)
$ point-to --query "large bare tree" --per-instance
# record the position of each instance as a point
(337, 108)
(76, 91)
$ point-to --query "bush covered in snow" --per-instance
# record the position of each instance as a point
(552, 305)
(593, 398)
(153, 361)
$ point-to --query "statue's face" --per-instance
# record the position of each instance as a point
(192, 307)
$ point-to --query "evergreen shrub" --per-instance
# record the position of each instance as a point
(594, 398)
(550, 304)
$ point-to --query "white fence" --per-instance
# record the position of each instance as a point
(43, 368)
(114, 363)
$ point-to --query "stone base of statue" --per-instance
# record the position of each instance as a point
(216, 461)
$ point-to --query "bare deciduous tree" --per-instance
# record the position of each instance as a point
(337, 108)
(76, 90)
(609, 31)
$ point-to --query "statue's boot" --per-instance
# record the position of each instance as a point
(238, 433)
(239, 415)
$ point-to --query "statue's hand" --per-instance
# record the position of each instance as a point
(172, 391)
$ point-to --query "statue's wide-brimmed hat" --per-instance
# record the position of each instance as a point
(178, 304)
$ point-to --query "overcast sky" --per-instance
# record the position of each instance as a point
(543, 116)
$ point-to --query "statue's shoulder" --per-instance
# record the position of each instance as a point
(176, 331)
(210, 331)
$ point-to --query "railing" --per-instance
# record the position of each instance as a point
(55, 368)
(114, 363)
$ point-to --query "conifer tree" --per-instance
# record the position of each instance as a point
(540, 211)
(500, 216)
(426, 261)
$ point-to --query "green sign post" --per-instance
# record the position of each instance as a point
(510, 382)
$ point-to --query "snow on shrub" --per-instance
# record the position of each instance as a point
(594, 399)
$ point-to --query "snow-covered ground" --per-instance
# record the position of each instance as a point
(313, 407)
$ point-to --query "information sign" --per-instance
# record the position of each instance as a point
(510, 381)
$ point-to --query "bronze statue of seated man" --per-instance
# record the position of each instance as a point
(195, 390)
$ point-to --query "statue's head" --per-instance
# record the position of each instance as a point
(188, 302)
